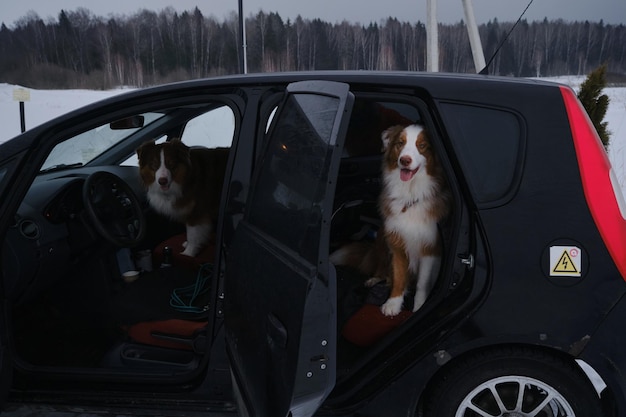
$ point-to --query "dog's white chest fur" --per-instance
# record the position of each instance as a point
(164, 201)
(410, 214)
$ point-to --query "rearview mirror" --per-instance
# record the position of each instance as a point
(131, 122)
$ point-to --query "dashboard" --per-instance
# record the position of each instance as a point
(51, 230)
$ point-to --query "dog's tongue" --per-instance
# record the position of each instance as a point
(407, 174)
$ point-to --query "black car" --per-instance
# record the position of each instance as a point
(526, 319)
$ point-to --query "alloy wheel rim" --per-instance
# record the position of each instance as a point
(514, 396)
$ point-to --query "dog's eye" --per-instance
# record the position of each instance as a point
(422, 146)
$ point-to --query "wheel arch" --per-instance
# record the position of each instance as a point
(585, 370)
(607, 397)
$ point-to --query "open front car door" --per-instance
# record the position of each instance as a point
(280, 306)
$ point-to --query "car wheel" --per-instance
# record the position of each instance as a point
(513, 382)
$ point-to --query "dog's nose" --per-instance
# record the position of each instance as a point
(162, 181)
(405, 160)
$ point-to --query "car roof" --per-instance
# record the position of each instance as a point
(452, 86)
(432, 79)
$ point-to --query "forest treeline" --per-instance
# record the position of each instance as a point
(81, 50)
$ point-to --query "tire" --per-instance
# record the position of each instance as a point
(487, 385)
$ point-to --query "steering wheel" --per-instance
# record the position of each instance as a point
(114, 209)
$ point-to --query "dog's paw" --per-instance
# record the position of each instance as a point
(190, 251)
(392, 306)
(372, 281)
(420, 299)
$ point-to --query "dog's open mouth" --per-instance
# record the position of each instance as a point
(407, 174)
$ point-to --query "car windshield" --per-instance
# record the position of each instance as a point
(81, 149)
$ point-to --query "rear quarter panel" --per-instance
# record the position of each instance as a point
(546, 207)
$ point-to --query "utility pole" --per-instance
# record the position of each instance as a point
(243, 61)
(432, 37)
(474, 37)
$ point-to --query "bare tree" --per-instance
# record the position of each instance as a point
(149, 48)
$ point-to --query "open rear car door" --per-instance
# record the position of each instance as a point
(280, 305)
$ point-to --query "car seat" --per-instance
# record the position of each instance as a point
(164, 313)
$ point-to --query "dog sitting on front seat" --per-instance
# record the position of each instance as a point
(184, 184)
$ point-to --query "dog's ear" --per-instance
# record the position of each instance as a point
(182, 150)
(389, 134)
(141, 150)
(386, 138)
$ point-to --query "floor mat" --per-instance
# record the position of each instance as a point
(148, 298)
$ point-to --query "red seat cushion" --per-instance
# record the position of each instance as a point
(176, 243)
(369, 324)
(147, 332)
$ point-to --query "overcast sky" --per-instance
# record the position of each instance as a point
(355, 11)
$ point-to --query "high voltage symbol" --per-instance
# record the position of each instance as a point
(565, 264)
(565, 261)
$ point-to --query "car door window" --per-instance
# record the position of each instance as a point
(298, 168)
(212, 129)
(489, 144)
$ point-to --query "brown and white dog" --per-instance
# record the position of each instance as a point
(185, 185)
(414, 198)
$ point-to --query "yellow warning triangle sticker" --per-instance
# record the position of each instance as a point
(565, 265)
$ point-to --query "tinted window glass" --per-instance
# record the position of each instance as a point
(290, 188)
(487, 143)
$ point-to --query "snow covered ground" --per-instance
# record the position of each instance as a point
(42, 106)
(47, 104)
